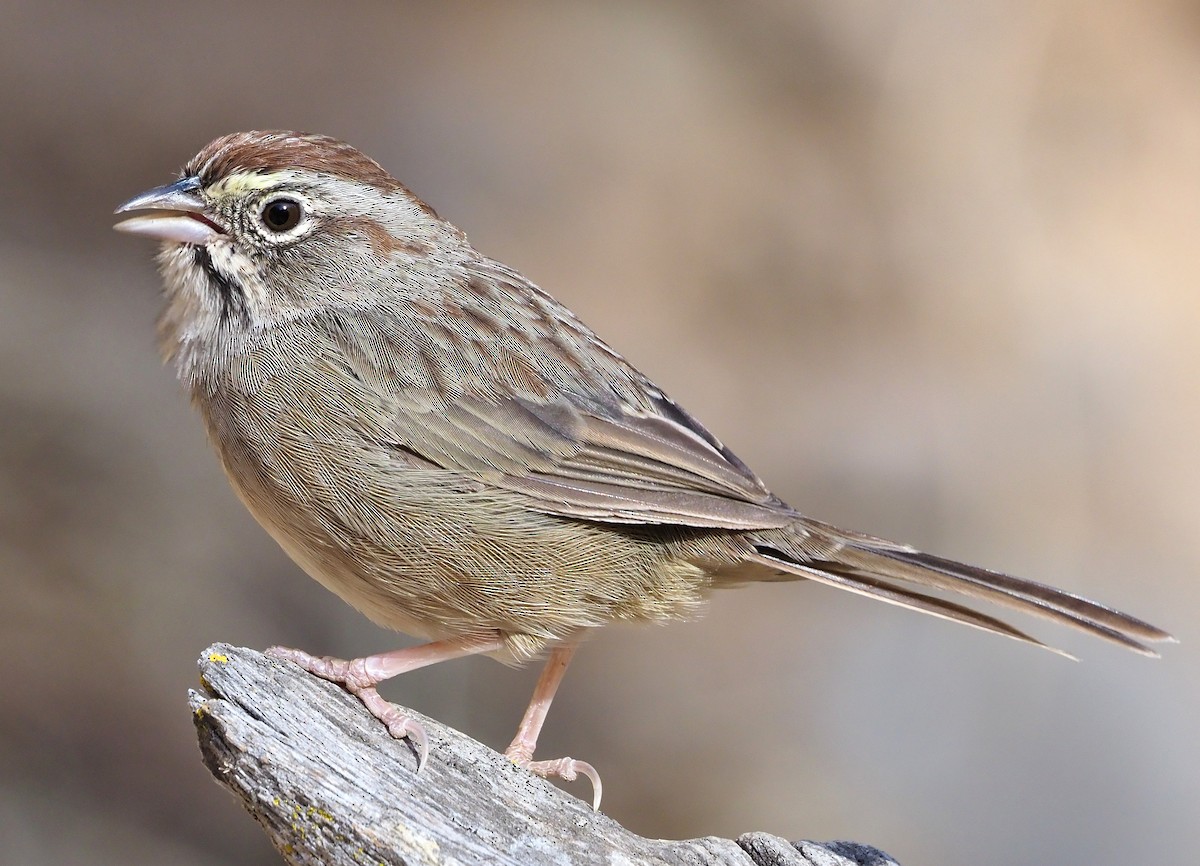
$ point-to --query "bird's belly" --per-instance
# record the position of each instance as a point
(434, 554)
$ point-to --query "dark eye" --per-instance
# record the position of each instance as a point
(281, 214)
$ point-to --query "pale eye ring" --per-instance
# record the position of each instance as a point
(281, 214)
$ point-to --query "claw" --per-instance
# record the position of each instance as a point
(567, 769)
(404, 727)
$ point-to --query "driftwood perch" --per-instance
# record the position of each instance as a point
(330, 786)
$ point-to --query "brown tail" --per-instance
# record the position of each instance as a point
(866, 565)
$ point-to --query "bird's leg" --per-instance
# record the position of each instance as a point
(361, 676)
(520, 751)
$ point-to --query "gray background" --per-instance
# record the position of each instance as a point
(929, 267)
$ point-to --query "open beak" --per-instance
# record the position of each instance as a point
(178, 214)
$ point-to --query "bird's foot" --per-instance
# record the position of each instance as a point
(567, 769)
(352, 674)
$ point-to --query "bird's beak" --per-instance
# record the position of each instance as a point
(180, 214)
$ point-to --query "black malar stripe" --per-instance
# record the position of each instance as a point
(231, 296)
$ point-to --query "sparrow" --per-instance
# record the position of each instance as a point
(453, 452)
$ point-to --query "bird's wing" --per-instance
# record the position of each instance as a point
(576, 460)
(577, 433)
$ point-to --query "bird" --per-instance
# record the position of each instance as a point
(450, 450)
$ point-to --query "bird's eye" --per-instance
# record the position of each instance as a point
(281, 214)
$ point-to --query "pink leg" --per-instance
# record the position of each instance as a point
(521, 750)
(360, 676)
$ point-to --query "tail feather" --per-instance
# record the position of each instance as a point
(899, 596)
(1014, 592)
(869, 566)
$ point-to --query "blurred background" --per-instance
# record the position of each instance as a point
(929, 267)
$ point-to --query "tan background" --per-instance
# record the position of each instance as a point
(930, 267)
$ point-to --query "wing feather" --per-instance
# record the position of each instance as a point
(599, 442)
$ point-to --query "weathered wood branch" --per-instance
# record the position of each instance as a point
(330, 786)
